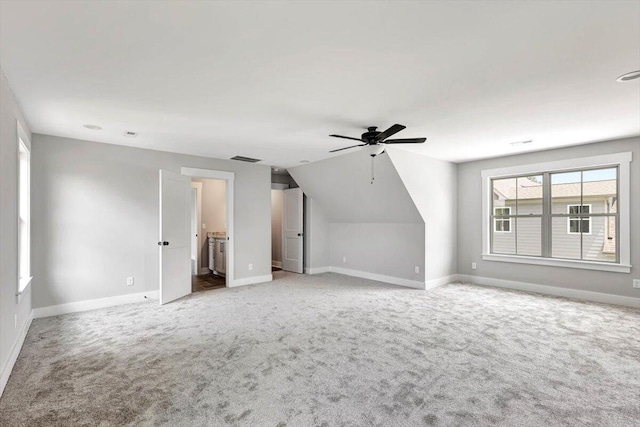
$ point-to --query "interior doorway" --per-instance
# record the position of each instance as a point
(277, 196)
(209, 234)
(287, 211)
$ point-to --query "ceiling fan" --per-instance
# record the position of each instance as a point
(377, 140)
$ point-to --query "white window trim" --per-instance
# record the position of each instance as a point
(22, 140)
(577, 218)
(495, 220)
(621, 160)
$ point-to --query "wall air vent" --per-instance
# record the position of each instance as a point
(245, 159)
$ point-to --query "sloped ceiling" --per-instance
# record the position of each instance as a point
(342, 187)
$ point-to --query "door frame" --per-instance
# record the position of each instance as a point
(198, 187)
(229, 177)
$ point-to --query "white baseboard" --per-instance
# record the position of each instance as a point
(380, 277)
(276, 264)
(15, 352)
(552, 290)
(440, 281)
(317, 270)
(250, 281)
(72, 307)
(204, 270)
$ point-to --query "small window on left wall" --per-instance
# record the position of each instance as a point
(24, 212)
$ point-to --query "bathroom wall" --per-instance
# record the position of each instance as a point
(213, 214)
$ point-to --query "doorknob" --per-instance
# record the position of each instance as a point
(299, 234)
(163, 243)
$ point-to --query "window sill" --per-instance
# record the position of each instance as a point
(585, 265)
(23, 285)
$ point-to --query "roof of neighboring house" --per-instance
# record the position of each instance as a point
(533, 190)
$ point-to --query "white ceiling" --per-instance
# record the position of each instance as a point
(271, 80)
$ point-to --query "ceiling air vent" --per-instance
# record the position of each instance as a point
(130, 134)
(245, 159)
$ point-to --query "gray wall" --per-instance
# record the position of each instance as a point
(316, 235)
(95, 217)
(470, 224)
(9, 306)
(382, 248)
(276, 225)
(375, 226)
(432, 185)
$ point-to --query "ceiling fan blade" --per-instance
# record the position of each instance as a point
(406, 141)
(346, 137)
(391, 131)
(346, 148)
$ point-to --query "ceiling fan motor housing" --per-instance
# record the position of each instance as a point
(370, 136)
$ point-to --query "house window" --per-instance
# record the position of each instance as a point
(24, 217)
(502, 224)
(572, 213)
(578, 224)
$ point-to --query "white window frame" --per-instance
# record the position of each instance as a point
(578, 218)
(23, 145)
(620, 160)
(503, 220)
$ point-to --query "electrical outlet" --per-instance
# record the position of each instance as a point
(250, 267)
(473, 265)
(417, 269)
(204, 226)
(130, 281)
(636, 283)
(344, 259)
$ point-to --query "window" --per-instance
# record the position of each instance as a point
(571, 213)
(24, 217)
(577, 224)
(501, 225)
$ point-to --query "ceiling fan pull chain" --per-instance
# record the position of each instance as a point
(373, 177)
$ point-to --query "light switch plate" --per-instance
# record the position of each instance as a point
(130, 281)
(636, 283)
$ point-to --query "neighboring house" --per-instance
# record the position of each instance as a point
(522, 236)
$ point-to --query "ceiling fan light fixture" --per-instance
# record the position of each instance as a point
(375, 150)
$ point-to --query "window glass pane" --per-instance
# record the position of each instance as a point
(563, 243)
(599, 190)
(565, 190)
(529, 236)
(600, 244)
(504, 242)
(504, 194)
(530, 195)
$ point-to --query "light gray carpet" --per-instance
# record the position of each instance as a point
(332, 350)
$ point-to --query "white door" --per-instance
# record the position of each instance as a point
(175, 236)
(292, 243)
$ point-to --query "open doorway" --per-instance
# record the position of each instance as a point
(208, 234)
(287, 237)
